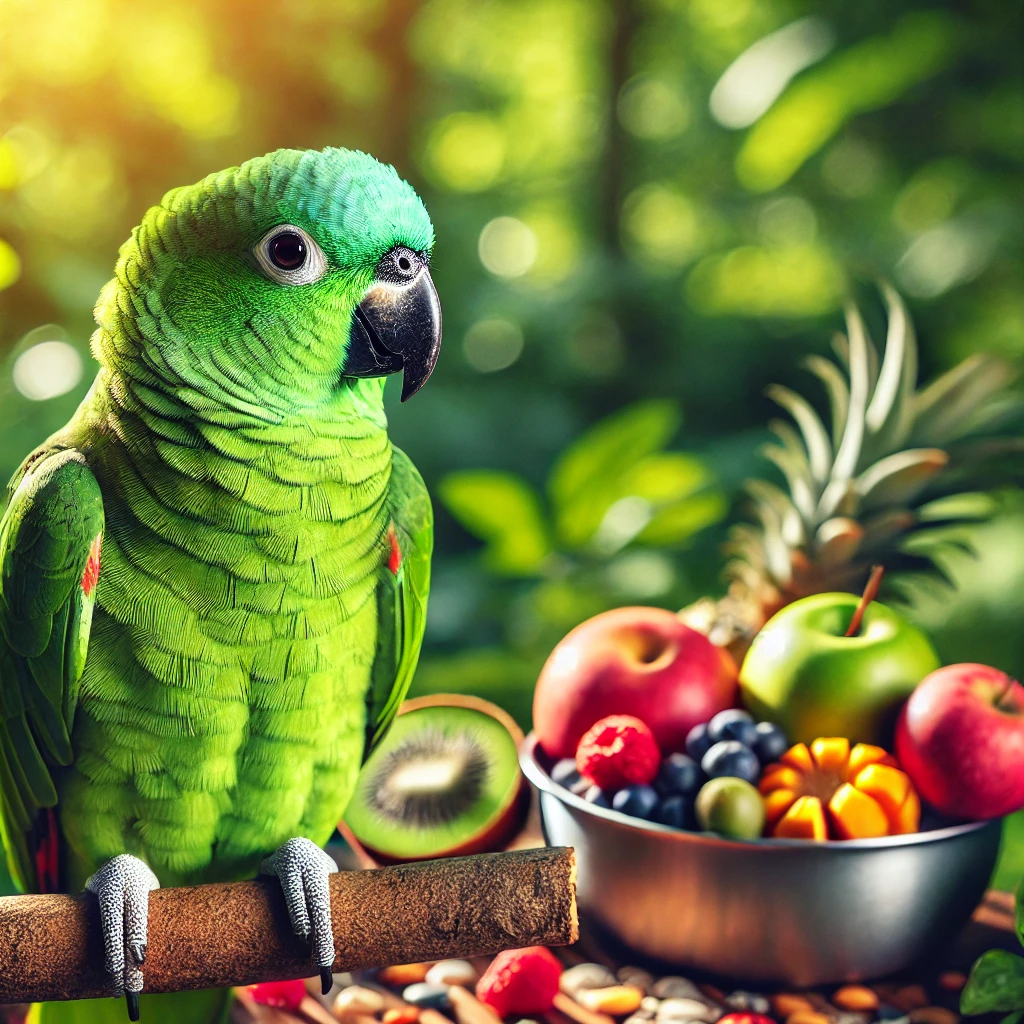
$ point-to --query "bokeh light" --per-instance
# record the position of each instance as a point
(507, 247)
(756, 79)
(466, 152)
(651, 108)
(47, 369)
(492, 344)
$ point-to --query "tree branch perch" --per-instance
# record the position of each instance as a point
(238, 933)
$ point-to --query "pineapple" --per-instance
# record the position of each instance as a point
(897, 465)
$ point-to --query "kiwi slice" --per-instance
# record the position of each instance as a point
(444, 781)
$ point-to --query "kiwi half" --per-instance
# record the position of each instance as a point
(444, 781)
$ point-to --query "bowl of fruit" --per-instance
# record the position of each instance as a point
(828, 812)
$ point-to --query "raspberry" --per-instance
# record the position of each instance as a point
(520, 982)
(745, 1018)
(618, 751)
(284, 995)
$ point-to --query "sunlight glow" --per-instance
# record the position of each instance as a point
(757, 77)
(507, 247)
(47, 370)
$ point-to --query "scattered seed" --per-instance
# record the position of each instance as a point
(356, 999)
(650, 1003)
(469, 1009)
(452, 972)
(405, 1015)
(787, 1003)
(580, 1014)
(751, 1002)
(677, 1008)
(636, 976)
(672, 987)
(616, 1001)
(952, 980)
(640, 1017)
(585, 976)
(402, 974)
(808, 1017)
(933, 1015)
(855, 997)
(433, 997)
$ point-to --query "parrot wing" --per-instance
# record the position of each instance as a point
(50, 540)
(401, 598)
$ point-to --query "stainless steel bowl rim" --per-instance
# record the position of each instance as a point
(539, 777)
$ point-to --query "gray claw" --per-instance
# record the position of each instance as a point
(302, 868)
(122, 887)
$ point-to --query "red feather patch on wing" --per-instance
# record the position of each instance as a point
(47, 852)
(395, 557)
(91, 573)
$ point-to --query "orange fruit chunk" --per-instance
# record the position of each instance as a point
(805, 819)
(855, 815)
(831, 791)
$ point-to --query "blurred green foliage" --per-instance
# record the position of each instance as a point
(637, 201)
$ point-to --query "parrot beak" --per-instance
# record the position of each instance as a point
(396, 327)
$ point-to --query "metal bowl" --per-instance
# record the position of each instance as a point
(769, 910)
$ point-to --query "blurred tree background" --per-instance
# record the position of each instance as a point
(646, 212)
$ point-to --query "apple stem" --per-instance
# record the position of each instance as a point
(870, 593)
(1006, 692)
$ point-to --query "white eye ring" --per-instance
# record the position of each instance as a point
(288, 255)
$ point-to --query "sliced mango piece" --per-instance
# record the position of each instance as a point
(783, 777)
(798, 757)
(804, 820)
(832, 754)
(866, 753)
(855, 815)
(776, 803)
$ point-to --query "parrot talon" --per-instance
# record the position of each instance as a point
(122, 887)
(302, 869)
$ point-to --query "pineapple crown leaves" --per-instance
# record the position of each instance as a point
(615, 485)
(859, 488)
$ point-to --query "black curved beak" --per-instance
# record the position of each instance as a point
(396, 327)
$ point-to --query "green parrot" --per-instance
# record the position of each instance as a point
(213, 580)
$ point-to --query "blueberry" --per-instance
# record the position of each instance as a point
(564, 772)
(637, 801)
(771, 742)
(731, 758)
(698, 742)
(733, 724)
(679, 773)
(596, 796)
(676, 811)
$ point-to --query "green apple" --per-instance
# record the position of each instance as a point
(803, 673)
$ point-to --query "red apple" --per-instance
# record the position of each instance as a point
(960, 738)
(631, 661)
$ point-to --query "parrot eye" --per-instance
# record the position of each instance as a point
(288, 255)
(400, 265)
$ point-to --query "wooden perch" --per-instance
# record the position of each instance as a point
(238, 933)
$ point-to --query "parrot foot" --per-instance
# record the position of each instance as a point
(122, 887)
(302, 869)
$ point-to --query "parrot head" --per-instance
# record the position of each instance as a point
(277, 286)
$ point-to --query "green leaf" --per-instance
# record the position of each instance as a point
(1018, 915)
(1013, 1018)
(996, 984)
(587, 478)
(504, 511)
(678, 522)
